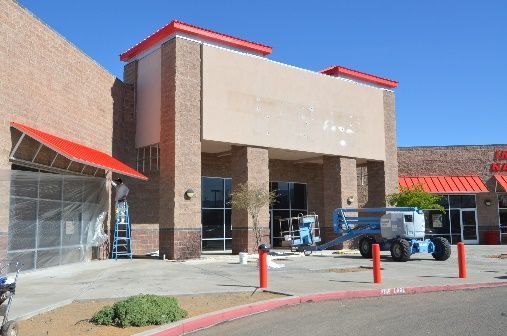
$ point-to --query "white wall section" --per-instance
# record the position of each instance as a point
(148, 100)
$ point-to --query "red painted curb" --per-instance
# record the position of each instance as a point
(208, 320)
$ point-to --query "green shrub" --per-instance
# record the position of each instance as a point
(139, 311)
(105, 316)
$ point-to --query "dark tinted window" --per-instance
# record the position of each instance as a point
(462, 201)
(282, 191)
(212, 223)
(298, 196)
(227, 192)
(212, 192)
(436, 222)
(444, 201)
(502, 201)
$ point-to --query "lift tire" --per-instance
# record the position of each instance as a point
(400, 250)
(442, 249)
(10, 328)
(365, 246)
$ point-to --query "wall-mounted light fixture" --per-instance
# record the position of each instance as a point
(189, 193)
(487, 202)
(350, 200)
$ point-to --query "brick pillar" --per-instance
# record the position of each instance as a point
(5, 185)
(339, 183)
(180, 150)
(383, 175)
(249, 165)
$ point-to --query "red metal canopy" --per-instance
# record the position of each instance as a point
(502, 180)
(79, 153)
(445, 184)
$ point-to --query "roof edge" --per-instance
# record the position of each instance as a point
(338, 70)
(177, 26)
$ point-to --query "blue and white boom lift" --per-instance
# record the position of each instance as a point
(399, 230)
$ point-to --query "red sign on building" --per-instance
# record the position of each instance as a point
(499, 166)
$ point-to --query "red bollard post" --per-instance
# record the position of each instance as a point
(263, 266)
(462, 263)
(377, 276)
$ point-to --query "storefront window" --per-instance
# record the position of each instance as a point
(462, 201)
(458, 223)
(290, 202)
(216, 214)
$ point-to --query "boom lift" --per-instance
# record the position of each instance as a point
(399, 230)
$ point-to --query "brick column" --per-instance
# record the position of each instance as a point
(249, 165)
(383, 175)
(339, 183)
(180, 150)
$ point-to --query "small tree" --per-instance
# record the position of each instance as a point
(252, 198)
(415, 196)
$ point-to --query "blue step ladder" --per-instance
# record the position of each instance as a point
(122, 243)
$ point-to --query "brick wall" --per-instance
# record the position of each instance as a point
(47, 83)
(143, 195)
(180, 149)
(213, 166)
(250, 166)
(383, 175)
(457, 160)
(391, 146)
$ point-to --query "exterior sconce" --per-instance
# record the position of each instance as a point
(487, 202)
(350, 200)
(189, 194)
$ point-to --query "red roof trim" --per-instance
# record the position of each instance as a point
(446, 184)
(502, 180)
(176, 26)
(79, 153)
(338, 70)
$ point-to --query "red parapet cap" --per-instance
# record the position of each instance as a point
(337, 70)
(176, 26)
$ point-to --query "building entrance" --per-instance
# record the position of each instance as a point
(291, 201)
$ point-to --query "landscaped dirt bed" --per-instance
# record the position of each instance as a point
(73, 319)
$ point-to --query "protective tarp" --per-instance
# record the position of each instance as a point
(51, 219)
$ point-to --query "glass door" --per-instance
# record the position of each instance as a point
(469, 234)
(216, 214)
(290, 202)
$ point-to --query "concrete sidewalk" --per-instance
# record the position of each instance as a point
(321, 272)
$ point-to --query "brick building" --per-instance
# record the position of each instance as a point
(198, 112)
(212, 111)
(56, 109)
(473, 183)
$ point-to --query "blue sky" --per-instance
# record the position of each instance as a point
(450, 57)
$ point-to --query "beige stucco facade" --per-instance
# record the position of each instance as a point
(264, 103)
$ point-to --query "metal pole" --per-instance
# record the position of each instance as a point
(377, 275)
(462, 261)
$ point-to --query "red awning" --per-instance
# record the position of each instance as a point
(502, 180)
(79, 153)
(445, 184)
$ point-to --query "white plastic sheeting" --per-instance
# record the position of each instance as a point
(52, 218)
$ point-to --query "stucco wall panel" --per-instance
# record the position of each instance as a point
(253, 101)
(148, 100)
